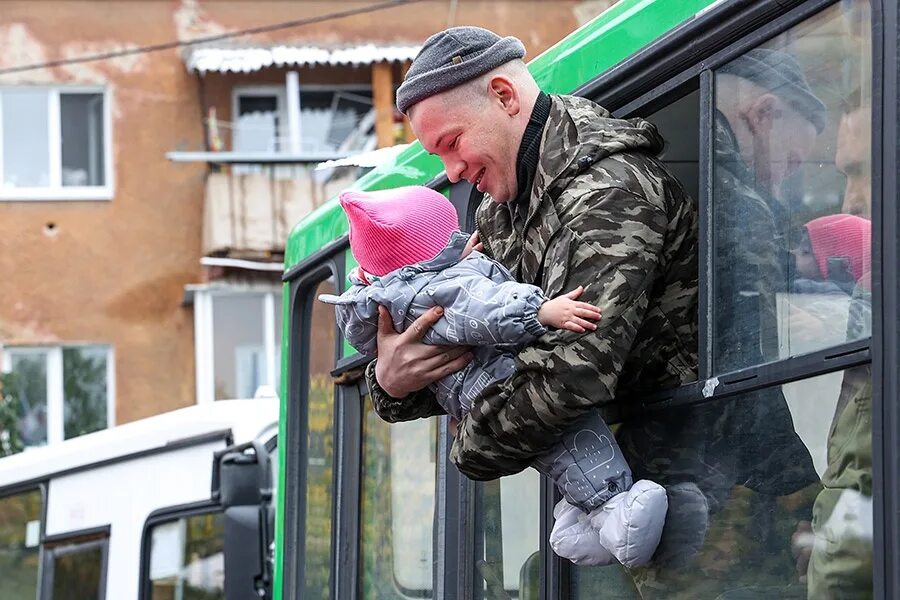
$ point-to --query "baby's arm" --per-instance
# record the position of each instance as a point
(479, 310)
(357, 317)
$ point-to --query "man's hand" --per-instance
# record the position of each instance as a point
(405, 364)
(565, 312)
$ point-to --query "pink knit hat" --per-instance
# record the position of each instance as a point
(842, 235)
(390, 229)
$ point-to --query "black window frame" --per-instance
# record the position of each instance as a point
(71, 542)
(303, 280)
(160, 517)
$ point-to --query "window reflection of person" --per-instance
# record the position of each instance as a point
(767, 120)
(852, 155)
(841, 563)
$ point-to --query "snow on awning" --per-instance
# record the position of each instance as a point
(246, 60)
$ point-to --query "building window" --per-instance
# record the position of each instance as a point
(330, 119)
(54, 144)
(237, 342)
(59, 392)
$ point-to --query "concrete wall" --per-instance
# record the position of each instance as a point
(114, 271)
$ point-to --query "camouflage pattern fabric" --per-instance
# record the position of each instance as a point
(841, 562)
(606, 214)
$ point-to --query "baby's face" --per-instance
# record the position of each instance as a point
(805, 264)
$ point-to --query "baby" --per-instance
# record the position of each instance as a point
(412, 257)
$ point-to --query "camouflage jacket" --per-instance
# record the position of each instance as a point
(751, 249)
(603, 213)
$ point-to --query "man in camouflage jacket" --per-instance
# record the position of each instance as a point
(596, 209)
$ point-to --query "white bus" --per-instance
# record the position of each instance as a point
(160, 508)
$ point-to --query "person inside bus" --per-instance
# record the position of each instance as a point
(839, 551)
(831, 254)
(571, 195)
(411, 257)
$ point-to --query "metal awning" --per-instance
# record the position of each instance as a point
(249, 59)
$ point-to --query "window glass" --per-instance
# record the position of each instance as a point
(319, 455)
(20, 532)
(792, 191)
(30, 370)
(758, 509)
(26, 143)
(239, 345)
(679, 123)
(46, 381)
(397, 516)
(85, 390)
(76, 571)
(508, 563)
(81, 121)
(187, 558)
(328, 118)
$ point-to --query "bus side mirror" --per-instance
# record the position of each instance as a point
(242, 484)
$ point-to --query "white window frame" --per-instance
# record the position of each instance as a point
(56, 191)
(55, 392)
(257, 91)
(204, 335)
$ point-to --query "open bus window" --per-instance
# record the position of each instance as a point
(507, 561)
(20, 537)
(75, 570)
(187, 558)
(398, 504)
(792, 191)
(318, 455)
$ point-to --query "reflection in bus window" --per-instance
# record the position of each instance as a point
(20, 533)
(187, 558)
(397, 516)
(792, 190)
(508, 563)
(319, 454)
(76, 570)
(735, 523)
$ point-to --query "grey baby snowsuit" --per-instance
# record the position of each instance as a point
(484, 307)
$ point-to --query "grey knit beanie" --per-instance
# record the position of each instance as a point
(453, 57)
(780, 73)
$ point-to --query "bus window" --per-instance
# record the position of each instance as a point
(187, 558)
(510, 539)
(20, 537)
(319, 452)
(75, 570)
(679, 123)
(397, 515)
(771, 532)
(792, 191)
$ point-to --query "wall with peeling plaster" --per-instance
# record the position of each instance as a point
(114, 271)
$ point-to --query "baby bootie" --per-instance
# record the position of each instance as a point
(573, 537)
(631, 523)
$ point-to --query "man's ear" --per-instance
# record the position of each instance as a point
(504, 92)
(761, 113)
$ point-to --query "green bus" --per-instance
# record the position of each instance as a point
(368, 509)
